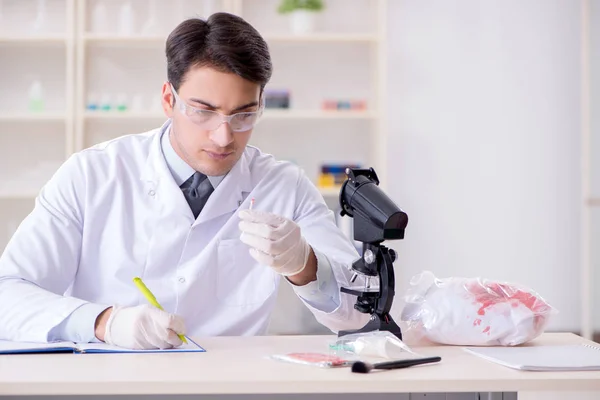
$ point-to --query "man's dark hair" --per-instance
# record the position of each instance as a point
(224, 42)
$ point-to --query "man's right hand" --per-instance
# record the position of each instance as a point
(140, 327)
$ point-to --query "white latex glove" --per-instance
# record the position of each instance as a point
(143, 327)
(274, 241)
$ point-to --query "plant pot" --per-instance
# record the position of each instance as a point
(302, 21)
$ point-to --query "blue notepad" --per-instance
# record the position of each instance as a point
(7, 347)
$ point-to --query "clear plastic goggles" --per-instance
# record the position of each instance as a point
(211, 120)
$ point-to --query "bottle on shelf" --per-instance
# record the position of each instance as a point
(126, 19)
(40, 19)
(105, 102)
(1, 17)
(36, 97)
(92, 102)
(150, 27)
(99, 18)
(121, 104)
(137, 103)
(210, 7)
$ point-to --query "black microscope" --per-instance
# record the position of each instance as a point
(376, 218)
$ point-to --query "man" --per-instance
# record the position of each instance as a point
(172, 206)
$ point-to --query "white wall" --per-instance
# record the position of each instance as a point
(484, 107)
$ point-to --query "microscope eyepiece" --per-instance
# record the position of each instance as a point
(376, 216)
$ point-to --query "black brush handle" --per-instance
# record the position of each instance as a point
(406, 363)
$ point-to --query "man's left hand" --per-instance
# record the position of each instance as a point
(274, 241)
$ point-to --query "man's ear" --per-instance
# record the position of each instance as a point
(167, 99)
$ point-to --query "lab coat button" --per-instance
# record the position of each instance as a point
(181, 279)
(151, 192)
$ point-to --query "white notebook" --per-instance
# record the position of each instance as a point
(583, 357)
(7, 347)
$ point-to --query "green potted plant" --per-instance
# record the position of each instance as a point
(302, 14)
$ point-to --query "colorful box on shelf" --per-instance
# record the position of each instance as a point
(277, 98)
(354, 105)
(332, 176)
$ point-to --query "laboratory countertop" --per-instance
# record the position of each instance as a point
(240, 365)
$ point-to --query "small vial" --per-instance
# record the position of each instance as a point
(122, 102)
(137, 102)
(105, 103)
(92, 102)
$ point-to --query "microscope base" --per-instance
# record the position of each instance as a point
(377, 323)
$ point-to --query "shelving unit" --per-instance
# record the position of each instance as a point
(29, 117)
(59, 40)
(131, 39)
(15, 193)
(590, 128)
(269, 114)
(593, 202)
(122, 115)
(323, 38)
(317, 114)
(103, 61)
(283, 38)
(34, 48)
(330, 192)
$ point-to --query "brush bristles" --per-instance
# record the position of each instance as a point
(361, 367)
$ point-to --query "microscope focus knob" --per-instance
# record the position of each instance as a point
(369, 257)
(393, 254)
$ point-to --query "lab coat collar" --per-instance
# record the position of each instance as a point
(227, 197)
(180, 170)
(230, 193)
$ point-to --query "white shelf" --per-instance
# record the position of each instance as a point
(18, 193)
(33, 40)
(124, 40)
(323, 37)
(269, 114)
(123, 115)
(329, 192)
(593, 202)
(317, 114)
(25, 195)
(109, 40)
(28, 117)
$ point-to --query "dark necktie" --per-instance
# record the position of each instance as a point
(197, 190)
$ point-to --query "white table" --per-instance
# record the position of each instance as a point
(239, 365)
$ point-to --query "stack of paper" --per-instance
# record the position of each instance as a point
(584, 357)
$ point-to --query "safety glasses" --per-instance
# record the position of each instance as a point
(211, 120)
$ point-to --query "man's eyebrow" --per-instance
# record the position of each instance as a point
(204, 103)
(251, 104)
(207, 104)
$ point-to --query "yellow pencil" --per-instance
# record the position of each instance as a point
(151, 299)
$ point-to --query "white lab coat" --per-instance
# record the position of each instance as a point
(114, 211)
